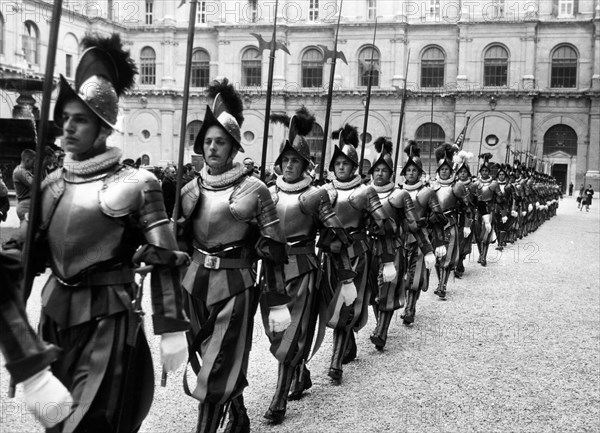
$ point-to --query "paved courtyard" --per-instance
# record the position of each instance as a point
(514, 348)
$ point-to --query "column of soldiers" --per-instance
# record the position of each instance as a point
(326, 253)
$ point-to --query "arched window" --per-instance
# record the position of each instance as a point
(192, 131)
(432, 67)
(368, 62)
(315, 142)
(560, 138)
(200, 68)
(147, 66)
(1, 34)
(71, 48)
(495, 66)
(312, 68)
(564, 67)
(31, 43)
(429, 133)
(252, 67)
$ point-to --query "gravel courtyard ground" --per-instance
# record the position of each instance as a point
(515, 348)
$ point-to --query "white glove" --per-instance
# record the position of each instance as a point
(440, 251)
(47, 398)
(488, 227)
(504, 219)
(348, 293)
(537, 204)
(523, 213)
(514, 213)
(530, 207)
(173, 350)
(429, 261)
(389, 272)
(279, 318)
(466, 231)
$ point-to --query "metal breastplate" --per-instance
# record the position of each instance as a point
(294, 222)
(214, 224)
(420, 199)
(349, 216)
(485, 192)
(446, 197)
(387, 207)
(79, 234)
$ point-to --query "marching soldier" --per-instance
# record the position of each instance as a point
(452, 196)
(356, 205)
(431, 221)
(465, 236)
(504, 207)
(486, 190)
(87, 306)
(230, 221)
(304, 210)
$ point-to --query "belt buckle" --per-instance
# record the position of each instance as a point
(212, 262)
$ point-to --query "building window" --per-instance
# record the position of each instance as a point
(147, 66)
(564, 67)
(200, 68)
(149, 11)
(565, 8)
(253, 11)
(312, 68)
(315, 142)
(560, 138)
(495, 66)
(1, 34)
(31, 43)
(68, 65)
(192, 131)
(201, 12)
(71, 49)
(252, 67)
(429, 136)
(313, 10)
(434, 8)
(371, 9)
(432, 67)
(368, 63)
(497, 10)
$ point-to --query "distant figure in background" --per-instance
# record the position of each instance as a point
(249, 164)
(169, 186)
(145, 160)
(22, 180)
(587, 198)
(571, 186)
(580, 197)
(129, 162)
(189, 173)
(49, 161)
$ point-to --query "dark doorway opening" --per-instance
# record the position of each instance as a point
(559, 172)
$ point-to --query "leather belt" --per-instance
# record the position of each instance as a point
(102, 278)
(215, 262)
(307, 249)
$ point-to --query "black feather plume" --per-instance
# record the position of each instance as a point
(349, 135)
(486, 156)
(125, 66)
(231, 98)
(304, 121)
(282, 118)
(445, 151)
(383, 143)
(414, 147)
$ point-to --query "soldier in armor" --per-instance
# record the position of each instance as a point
(28, 358)
(504, 207)
(229, 222)
(465, 218)
(431, 222)
(452, 196)
(358, 207)
(388, 297)
(486, 190)
(99, 220)
(515, 180)
(304, 210)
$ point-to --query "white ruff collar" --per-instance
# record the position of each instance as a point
(347, 185)
(447, 181)
(383, 188)
(93, 165)
(224, 179)
(414, 187)
(296, 186)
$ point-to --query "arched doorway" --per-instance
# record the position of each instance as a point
(560, 149)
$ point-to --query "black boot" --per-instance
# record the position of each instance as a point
(209, 417)
(460, 268)
(444, 274)
(411, 307)
(340, 342)
(379, 336)
(484, 251)
(276, 411)
(301, 382)
(238, 417)
(500, 245)
(480, 249)
(438, 271)
(350, 352)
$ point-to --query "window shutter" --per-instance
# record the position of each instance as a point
(555, 8)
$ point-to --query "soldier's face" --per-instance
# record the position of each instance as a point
(444, 172)
(412, 174)
(291, 167)
(217, 147)
(501, 176)
(463, 175)
(343, 168)
(485, 173)
(381, 175)
(81, 128)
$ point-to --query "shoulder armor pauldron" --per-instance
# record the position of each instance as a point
(246, 196)
(190, 194)
(124, 190)
(460, 189)
(331, 191)
(398, 197)
(274, 195)
(311, 200)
